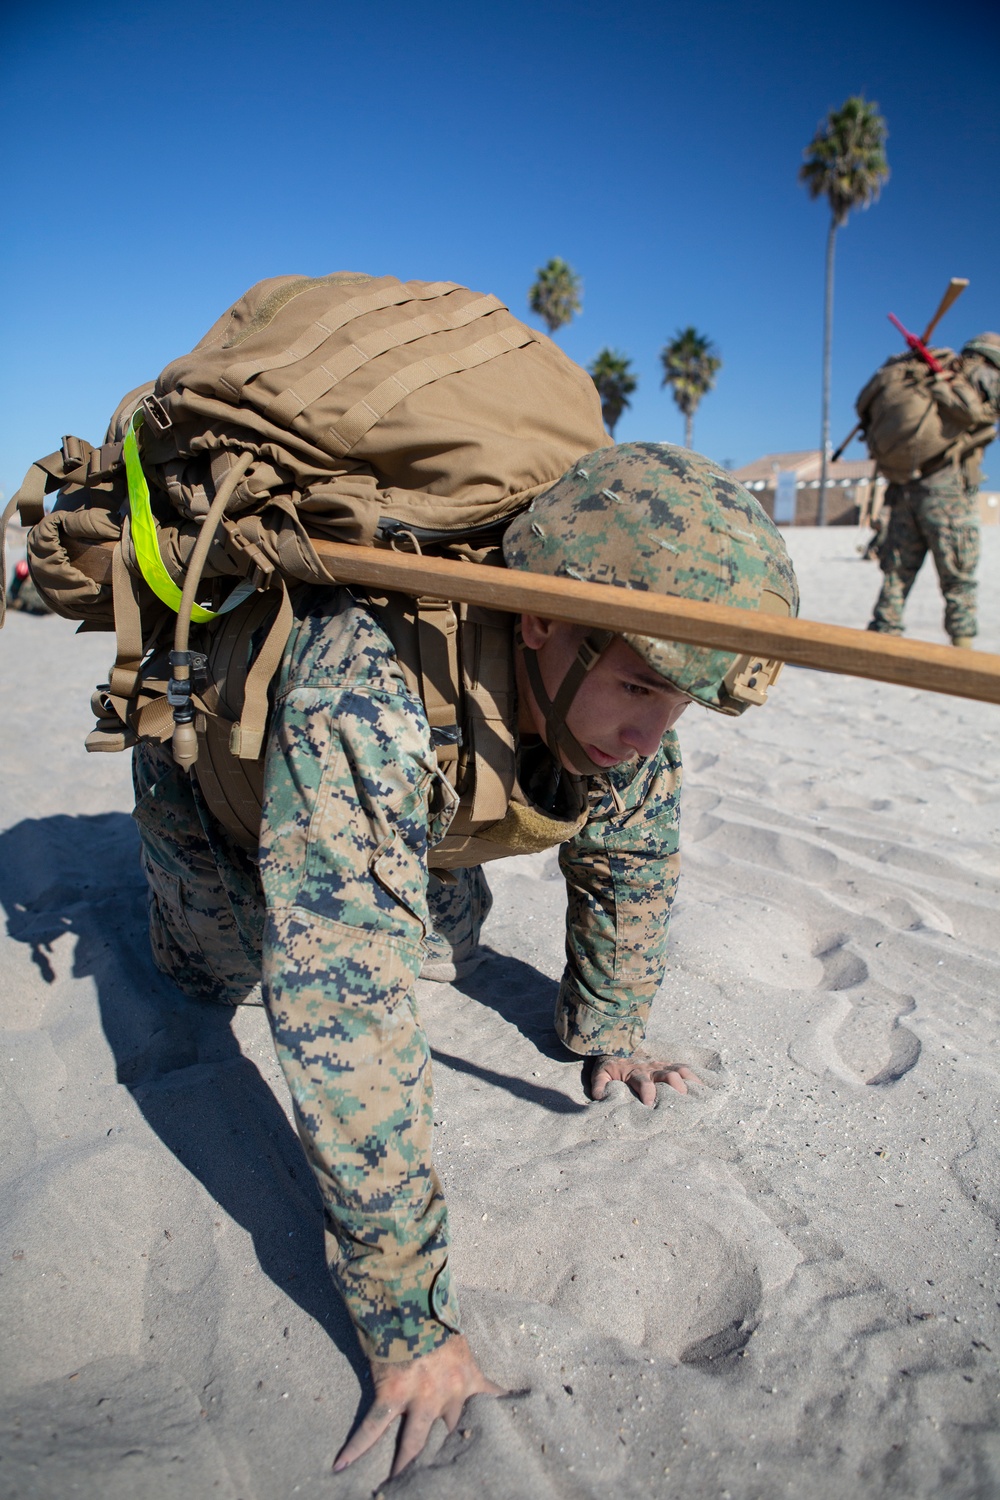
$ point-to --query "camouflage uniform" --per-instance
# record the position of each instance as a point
(353, 798)
(206, 917)
(938, 514)
(354, 802)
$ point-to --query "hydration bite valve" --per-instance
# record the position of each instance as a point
(184, 741)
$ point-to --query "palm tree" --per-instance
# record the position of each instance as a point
(556, 295)
(690, 365)
(844, 162)
(615, 383)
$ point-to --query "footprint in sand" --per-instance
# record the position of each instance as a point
(913, 913)
(842, 968)
(686, 1274)
(860, 1038)
(875, 1044)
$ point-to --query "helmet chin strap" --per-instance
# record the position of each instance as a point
(558, 736)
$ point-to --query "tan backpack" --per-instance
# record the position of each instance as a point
(915, 422)
(358, 408)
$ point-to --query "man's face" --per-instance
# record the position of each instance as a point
(622, 709)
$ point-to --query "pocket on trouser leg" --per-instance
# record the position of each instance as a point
(402, 874)
(199, 951)
(957, 556)
(457, 913)
(193, 936)
(965, 549)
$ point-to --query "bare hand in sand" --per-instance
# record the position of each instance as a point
(641, 1073)
(435, 1385)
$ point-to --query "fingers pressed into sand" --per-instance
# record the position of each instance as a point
(599, 1080)
(437, 1385)
(642, 1087)
(641, 1074)
(371, 1429)
(413, 1436)
(676, 1075)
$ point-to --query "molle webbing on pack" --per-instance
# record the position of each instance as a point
(362, 398)
(462, 657)
(457, 658)
(364, 402)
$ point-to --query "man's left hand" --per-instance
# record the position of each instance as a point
(641, 1073)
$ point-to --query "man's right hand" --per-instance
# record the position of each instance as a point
(641, 1073)
(422, 1390)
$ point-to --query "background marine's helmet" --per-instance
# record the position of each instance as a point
(987, 345)
(665, 520)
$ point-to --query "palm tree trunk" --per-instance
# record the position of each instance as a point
(689, 429)
(827, 363)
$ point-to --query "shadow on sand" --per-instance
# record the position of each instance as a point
(178, 1058)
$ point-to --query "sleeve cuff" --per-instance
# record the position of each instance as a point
(588, 1029)
(398, 1328)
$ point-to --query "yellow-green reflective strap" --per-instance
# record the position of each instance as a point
(147, 548)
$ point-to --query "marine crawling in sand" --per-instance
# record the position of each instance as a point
(370, 874)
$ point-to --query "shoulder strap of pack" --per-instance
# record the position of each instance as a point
(490, 711)
(457, 660)
(235, 707)
(246, 739)
(123, 680)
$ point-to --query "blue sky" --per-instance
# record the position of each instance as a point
(161, 158)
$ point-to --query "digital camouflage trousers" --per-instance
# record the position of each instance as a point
(939, 517)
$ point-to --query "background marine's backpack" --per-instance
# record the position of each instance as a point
(351, 407)
(916, 421)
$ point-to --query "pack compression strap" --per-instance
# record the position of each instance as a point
(147, 550)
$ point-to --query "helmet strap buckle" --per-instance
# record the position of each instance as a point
(749, 678)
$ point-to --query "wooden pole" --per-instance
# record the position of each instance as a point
(956, 287)
(804, 643)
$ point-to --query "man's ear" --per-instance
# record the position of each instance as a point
(535, 631)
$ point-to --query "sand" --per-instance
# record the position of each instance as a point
(782, 1284)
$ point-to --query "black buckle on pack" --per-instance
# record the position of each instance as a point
(179, 689)
(391, 530)
(446, 734)
(157, 413)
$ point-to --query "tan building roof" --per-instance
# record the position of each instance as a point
(806, 463)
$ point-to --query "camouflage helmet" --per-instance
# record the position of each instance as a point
(661, 519)
(987, 345)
